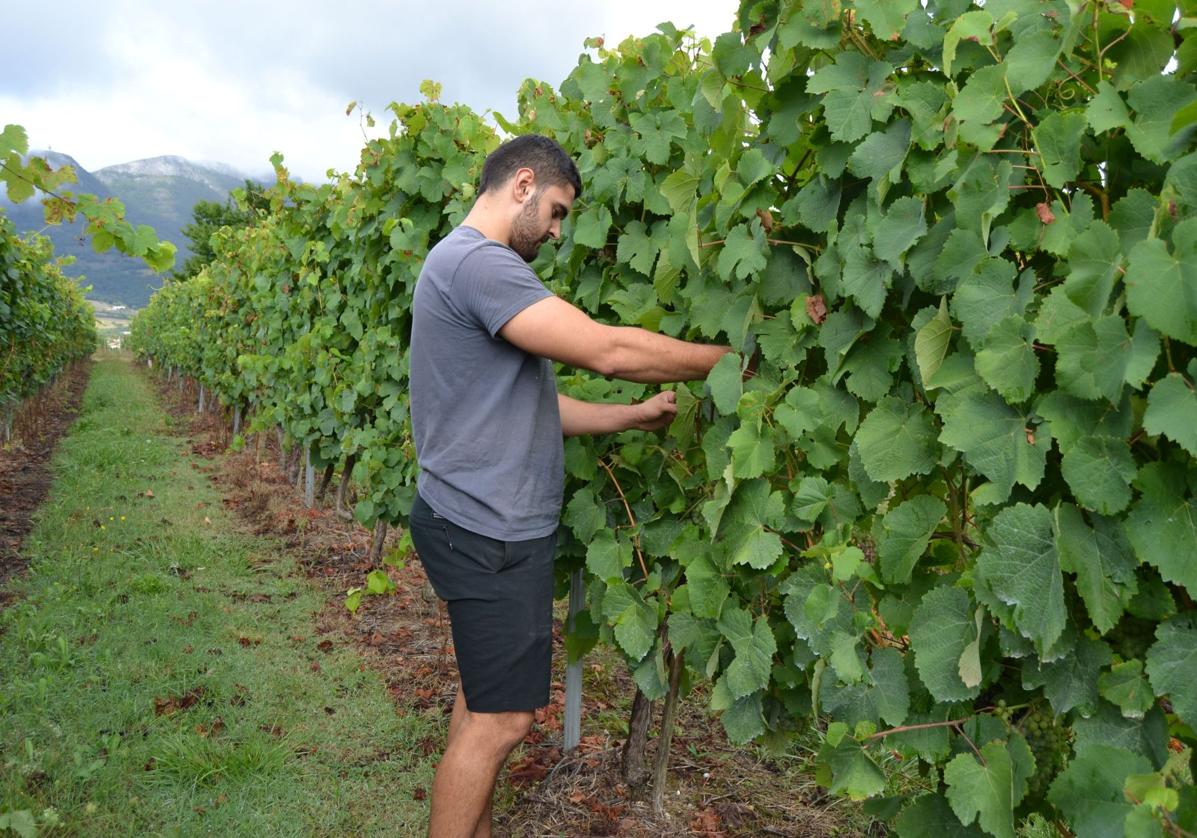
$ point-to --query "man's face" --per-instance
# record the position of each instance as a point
(540, 219)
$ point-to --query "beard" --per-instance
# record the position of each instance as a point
(526, 233)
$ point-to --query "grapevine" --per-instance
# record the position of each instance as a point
(951, 462)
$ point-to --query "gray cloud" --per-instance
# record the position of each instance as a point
(275, 68)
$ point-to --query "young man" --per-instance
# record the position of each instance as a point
(488, 425)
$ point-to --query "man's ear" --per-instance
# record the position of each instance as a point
(523, 184)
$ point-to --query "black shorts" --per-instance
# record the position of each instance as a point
(500, 596)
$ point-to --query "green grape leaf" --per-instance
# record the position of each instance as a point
(755, 647)
(1172, 412)
(931, 343)
(971, 26)
(924, 101)
(681, 191)
(752, 450)
(1133, 216)
(1147, 737)
(799, 412)
(811, 498)
(747, 525)
(1057, 316)
(1106, 110)
(1071, 681)
(867, 280)
(744, 253)
(981, 98)
(584, 515)
(638, 248)
(1089, 790)
(1058, 138)
(1161, 285)
(1162, 526)
(981, 193)
(1144, 350)
(845, 657)
(590, 230)
(708, 589)
(1099, 469)
(851, 85)
(1092, 358)
(1102, 560)
(634, 620)
(996, 441)
(1171, 662)
(1126, 686)
(880, 155)
(1071, 418)
(1031, 60)
(1006, 359)
(891, 689)
(983, 790)
(1095, 262)
(886, 18)
(743, 718)
(985, 298)
(1155, 100)
(903, 225)
(727, 383)
(931, 816)
(896, 440)
(907, 532)
(1021, 567)
(731, 55)
(606, 556)
(853, 772)
(944, 625)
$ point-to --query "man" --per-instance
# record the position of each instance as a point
(488, 425)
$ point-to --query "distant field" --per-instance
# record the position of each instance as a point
(112, 320)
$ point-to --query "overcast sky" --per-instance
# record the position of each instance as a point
(114, 81)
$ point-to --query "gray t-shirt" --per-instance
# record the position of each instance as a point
(484, 412)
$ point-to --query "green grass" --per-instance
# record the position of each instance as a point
(159, 673)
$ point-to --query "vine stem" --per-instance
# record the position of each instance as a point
(631, 518)
(957, 727)
(811, 247)
(953, 723)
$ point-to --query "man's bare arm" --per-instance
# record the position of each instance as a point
(555, 329)
(579, 417)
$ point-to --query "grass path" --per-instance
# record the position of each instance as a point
(160, 672)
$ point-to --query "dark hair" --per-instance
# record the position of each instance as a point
(547, 160)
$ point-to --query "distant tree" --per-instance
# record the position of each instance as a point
(239, 210)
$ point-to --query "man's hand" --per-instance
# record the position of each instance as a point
(579, 417)
(657, 412)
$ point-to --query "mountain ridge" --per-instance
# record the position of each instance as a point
(159, 191)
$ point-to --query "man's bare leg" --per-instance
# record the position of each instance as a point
(465, 779)
(455, 721)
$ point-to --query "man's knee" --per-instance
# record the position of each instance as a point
(502, 731)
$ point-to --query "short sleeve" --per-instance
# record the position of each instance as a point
(493, 284)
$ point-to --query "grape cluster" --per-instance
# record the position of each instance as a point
(1051, 744)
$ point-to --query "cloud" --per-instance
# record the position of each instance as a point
(234, 82)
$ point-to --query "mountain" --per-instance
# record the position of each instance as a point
(159, 191)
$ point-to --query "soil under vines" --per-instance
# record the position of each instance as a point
(25, 473)
(715, 790)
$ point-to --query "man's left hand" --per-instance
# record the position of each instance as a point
(657, 412)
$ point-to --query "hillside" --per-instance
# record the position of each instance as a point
(159, 191)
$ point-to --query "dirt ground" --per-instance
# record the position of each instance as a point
(25, 474)
(715, 789)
